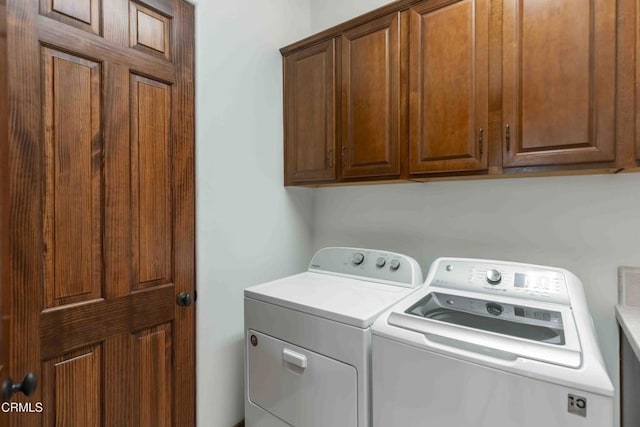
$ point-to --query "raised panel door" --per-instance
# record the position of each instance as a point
(371, 109)
(448, 80)
(310, 125)
(101, 244)
(559, 61)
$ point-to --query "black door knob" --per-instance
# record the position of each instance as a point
(184, 299)
(27, 386)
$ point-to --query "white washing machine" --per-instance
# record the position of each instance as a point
(490, 344)
(308, 338)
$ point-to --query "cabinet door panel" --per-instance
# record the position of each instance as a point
(310, 114)
(448, 77)
(371, 99)
(559, 81)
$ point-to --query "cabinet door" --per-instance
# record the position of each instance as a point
(448, 77)
(559, 81)
(371, 99)
(310, 131)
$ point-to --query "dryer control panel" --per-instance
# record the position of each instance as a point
(523, 281)
(368, 264)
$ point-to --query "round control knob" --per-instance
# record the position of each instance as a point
(394, 264)
(493, 277)
(495, 309)
(358, 258)
(380, 262)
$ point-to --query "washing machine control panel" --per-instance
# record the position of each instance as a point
(380, 266)
(509, 279)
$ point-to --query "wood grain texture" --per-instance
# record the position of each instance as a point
(183, 197)
(73, 174)
(26, 177)
(449, 81)
(310, 125)
(74, 382)
(627, 72)
(151, 168)
(149, 31)
(152, 353)
(568, 46)
(66, 329)
(5, 289)
(115, 30)
(91, 46)
(82, 14)
(370, 127)
(79, 9)
(118, 211)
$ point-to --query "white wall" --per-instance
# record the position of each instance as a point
(327, 13)
(249, 227)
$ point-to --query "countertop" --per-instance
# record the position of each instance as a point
(629, 320)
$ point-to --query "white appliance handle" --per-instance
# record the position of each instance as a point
(478, 352)
(296, 359)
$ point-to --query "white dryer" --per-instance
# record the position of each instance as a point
(308, 338)
(490, 344)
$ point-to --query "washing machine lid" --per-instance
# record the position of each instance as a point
(341, 299)
(516, 329)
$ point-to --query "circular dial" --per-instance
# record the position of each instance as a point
(358, 258)
(495, 309)
(494, 277)
(394, 264)
(380, 262)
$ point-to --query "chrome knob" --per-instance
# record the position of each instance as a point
(358, 258)
(493, 277)
(380, 262)
(394, 264)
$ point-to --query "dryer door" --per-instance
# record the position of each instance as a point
(298, 386)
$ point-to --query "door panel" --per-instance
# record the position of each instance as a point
(82, 14)
(559, 81)
(149, 30)
(152, 353)
(102, 236)
(449, 86)
(151, 199)
(74, 382)
(310, 129)
(371, 99)
(72, 219)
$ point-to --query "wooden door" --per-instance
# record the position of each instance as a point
(371, 108)
(101, 203)
(449, 83)
(559, 59)
(309, 109)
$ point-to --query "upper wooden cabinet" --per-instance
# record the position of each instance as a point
(449, 86)
(310, 124)
(559, 75)
(371, 99)
(426, 89)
